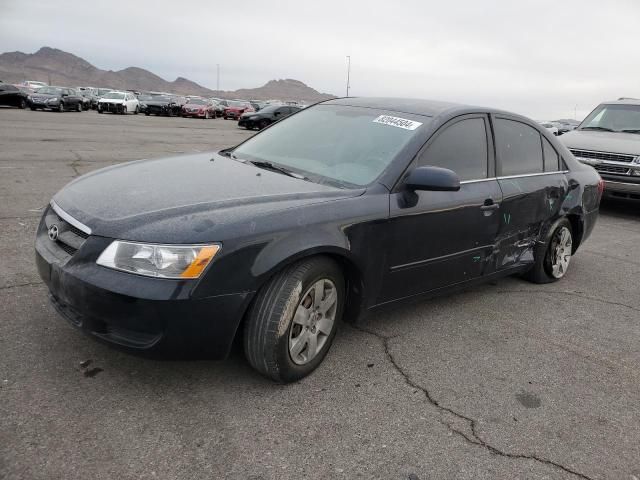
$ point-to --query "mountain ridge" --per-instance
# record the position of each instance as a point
(57, 67)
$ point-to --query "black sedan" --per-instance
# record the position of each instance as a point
(346, 207)
(12, 96)
(266, 116)
(167, 105)
(55, 98)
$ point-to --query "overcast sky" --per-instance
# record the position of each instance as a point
(539, 58)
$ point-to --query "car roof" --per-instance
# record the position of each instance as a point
(416, 106)
(623, 101)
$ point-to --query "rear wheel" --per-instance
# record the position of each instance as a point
(79, 107)
(293, 319)
(263, 124)
(553, 263)
(23, 103)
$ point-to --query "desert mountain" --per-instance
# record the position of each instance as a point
(57, 67)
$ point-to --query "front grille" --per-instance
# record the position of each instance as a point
(612, 169)
(70, 238)
(611, 157)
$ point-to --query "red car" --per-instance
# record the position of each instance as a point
(236, 109)
(198, 108)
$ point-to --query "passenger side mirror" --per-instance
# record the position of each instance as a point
(434, 179)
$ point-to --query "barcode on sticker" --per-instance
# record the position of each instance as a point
(397, 122)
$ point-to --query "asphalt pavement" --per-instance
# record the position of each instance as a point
(505, 381)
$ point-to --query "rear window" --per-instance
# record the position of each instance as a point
(519, 148)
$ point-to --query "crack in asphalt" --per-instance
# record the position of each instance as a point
(29, 284)
(474, 438)
(75, 164)
(572, 294)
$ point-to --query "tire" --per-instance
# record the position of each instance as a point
(272, 338)
(33, 109)
(263, 124)
(124, 110)
(136, 111)
(100, 110)
(547, 267)
(79, 107)
(61, 106)
(147, 113)
(206, 115)
(23, 104)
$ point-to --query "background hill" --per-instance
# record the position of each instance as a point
(57, 67)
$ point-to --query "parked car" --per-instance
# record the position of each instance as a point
(168, 105)
(551, 128)
(235, 108)
(347, 206)
(609, 140)
(34, 84)
(12, 96)
(55, 98)
(265, 116)
(86, 94)
(199, 108)
(220, 105)
(143, 98)
(119, 102)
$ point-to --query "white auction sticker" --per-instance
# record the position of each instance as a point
(397, 122)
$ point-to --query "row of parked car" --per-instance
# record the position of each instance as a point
(39, 96)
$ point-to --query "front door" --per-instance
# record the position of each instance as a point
(444, 238)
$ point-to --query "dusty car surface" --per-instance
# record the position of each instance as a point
(346, 207)
(609, 140)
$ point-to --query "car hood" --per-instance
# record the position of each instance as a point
(111, 100)
(611, 142)
(236, 109)
(45, 95)
(184, 199)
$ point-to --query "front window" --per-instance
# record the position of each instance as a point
(197, 101)
(613, 118)
(237, 104)
(339, 144)
(114, 96)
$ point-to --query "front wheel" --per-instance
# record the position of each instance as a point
(136, 111)
(293, 319)
(552, 263)
(124, 110)
(23, 104)
(61, 107)
(79, 107)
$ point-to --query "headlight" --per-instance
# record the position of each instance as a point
(54, 99)
(254, 117)
(164, 261)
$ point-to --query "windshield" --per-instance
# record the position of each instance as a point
(161, 98)
(49, 91)
(349, 145)
(114, 96)
(144, 97)
(102, 91)
(615, 117)
(233, 103)
(197, 101)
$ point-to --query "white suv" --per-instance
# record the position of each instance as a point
(119, 102)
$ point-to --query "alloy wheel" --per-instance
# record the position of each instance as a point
(313, 321)
(560, 251)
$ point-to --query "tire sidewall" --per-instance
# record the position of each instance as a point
(546, 262)
(289, 370)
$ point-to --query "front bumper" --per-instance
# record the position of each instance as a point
(193, 114)
(135, 312)
(245, 122)
(111, 107)
(625, 187)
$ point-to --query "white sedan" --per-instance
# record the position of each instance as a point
(119, 102)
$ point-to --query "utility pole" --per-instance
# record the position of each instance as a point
(348, 72)
(218, 77)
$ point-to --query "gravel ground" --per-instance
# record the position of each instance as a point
(508, 380)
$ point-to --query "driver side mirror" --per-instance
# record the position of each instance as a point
(435, 179)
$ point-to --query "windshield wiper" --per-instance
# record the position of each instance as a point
(604, 129)
(631, 130)
(276, 168)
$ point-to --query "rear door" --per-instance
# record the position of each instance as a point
(443, 238)
(533, 185)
